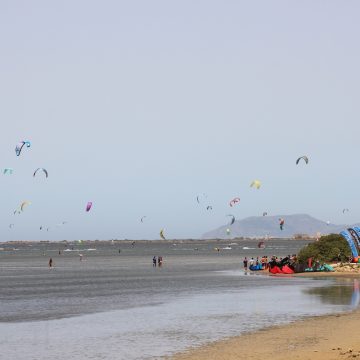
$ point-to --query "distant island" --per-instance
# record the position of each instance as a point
(296, 226)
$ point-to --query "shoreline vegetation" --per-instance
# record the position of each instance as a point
(328, 337)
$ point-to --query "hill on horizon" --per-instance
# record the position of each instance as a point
(261, 226)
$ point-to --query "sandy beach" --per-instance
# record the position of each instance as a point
(327, 337)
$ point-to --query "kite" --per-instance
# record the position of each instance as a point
(234, 201)
(162, 234)
(256, 183)
(209, 207)
(264, 213)
(8, 171)
(345, 210)
(305, 158)
(199, 197)
(88, 206)
(232, 220)
(20, 146)
(44, 170)
(25, 203)
(142, 219)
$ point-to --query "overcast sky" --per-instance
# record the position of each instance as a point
(139, 106)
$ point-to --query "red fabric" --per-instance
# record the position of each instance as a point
(287, 270)
(275, 270)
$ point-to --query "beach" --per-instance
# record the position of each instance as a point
(109, 304)
(328, 337)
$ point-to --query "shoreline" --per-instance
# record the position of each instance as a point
(324, 337)
(238, 240)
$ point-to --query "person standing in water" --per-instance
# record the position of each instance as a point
(50, 263)
(245, 262)
(154, 261)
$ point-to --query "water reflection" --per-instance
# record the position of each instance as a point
(345, 292)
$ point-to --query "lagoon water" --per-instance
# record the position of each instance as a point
(115, 305)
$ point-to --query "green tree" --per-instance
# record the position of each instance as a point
(328, 248)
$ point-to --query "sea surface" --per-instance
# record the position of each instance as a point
(113, 304)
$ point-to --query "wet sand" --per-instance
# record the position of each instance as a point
(329, 337)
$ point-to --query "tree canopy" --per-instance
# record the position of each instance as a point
(328, 248)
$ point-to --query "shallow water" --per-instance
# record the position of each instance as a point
(115, 305)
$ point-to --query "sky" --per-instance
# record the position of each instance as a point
(140, 106)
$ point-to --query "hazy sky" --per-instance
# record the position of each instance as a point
(139, 106)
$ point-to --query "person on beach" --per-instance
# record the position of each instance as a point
(154, 261)
(245, 262)
(251, 261)
(50, 263)
(159, 261)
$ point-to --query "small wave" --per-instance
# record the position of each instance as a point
(248, 248)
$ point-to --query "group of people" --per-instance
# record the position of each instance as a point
(264, 261)
(256, 262)
(159, 261)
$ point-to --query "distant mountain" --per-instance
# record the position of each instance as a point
(261, 226)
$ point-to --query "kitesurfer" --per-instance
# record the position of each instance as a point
(50, 263)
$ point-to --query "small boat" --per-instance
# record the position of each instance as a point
(261, 245)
